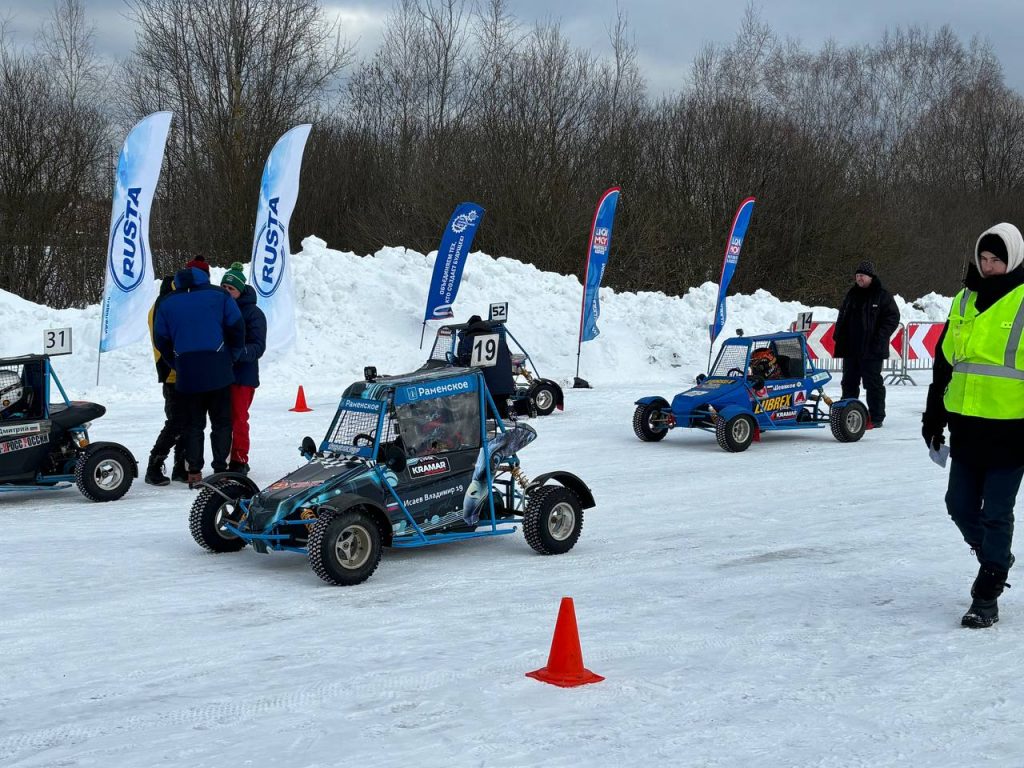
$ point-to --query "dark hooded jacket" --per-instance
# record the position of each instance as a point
(867, 319)
(247, 364)
(164, 371)
(199, 330)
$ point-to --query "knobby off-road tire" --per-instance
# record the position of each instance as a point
(210, 511)
(643, 426)
(345, 547)
(553, 520)
(848, 421)
(104, 474)
(737, 433)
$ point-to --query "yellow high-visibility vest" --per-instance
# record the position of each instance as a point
(987, 357)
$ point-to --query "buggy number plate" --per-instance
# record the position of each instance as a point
(57, 341)
(485, 351)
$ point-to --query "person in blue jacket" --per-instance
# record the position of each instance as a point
(199, 330)
(247, 365)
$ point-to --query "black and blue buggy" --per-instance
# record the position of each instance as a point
(757, 384)
(408, 461)
(45, 446)
(534, 395)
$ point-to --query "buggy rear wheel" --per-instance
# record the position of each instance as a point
(737, 433)
(649, 423)
(848, 421)
(345, 547)
(553, 520)
(544, 398)
(211, 511)
(104, 473)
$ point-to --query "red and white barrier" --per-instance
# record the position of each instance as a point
(922, 341)
(911, 347)
(821, 346)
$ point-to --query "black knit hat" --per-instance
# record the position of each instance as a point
(994, 244)
(865, 268)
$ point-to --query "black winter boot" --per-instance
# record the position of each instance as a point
(178, 472)
(984, 610)
(238, 466)
(155, 471)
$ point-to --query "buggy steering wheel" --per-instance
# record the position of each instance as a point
(731, 371)
(363, 436)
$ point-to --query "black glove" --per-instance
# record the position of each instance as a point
(932, 430)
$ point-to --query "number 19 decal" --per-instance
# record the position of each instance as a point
(485, 351)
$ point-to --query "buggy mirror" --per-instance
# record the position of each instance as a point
(370, 373)
(394, 457)
(701, 378)
(308, 447)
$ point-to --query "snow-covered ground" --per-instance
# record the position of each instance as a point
(794, 605)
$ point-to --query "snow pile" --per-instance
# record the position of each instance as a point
(356, 310)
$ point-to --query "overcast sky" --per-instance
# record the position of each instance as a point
(668, 33)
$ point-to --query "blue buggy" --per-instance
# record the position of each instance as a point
(758, 383)
(408, 461)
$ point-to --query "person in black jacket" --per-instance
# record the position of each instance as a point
(199, 330)
(247, 364)
(984, 409)
(498, 374)
(172, 435)
(867, 318)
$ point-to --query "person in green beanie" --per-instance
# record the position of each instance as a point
(247, 364)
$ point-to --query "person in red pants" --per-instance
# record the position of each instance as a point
(247, 364)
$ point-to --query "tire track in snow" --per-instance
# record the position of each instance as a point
(230, 713)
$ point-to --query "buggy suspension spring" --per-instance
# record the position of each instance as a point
(520, 476)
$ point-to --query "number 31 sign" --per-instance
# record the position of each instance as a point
(57, 341)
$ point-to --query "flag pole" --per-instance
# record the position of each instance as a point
(99, 344)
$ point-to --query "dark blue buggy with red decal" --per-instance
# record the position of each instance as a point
(757, 384)
(408, 461)
(534, 395)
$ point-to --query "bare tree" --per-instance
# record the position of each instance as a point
(236, 74)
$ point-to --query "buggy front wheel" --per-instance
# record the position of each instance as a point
(649, 423)
(848, 421)
(736, 433)
(104, 473)
(345, 547)
(544, 398)
(553, 520)
(212, 510)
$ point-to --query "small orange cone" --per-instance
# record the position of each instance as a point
(300, 402)
(565, 661)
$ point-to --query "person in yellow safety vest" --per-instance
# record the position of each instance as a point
(978, 390)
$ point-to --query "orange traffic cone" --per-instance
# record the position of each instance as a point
(300, 402)
(565, 661)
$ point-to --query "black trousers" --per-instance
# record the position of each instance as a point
(172, 435)
(196, 406)
(980, 500)
(870, 371)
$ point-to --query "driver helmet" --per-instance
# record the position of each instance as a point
(11, 391)
(763, 363)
